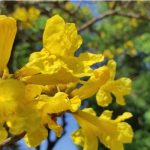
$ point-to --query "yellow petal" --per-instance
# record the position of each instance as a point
(61, 38)
(47, 79)
(119, 88)
(116, 146)
(103, 98)
(11, 93)
(110, 132)
(81, 65)
(90, 111)
(125, 133)
(54, 126)
(8, 30)
(57, 104)
(87, 136)
(34, 138)
(53, 25)
(107, 114)
(99, 77)
(45, 69)
(26, 118)
(112, 65)
(124, 116)
(32, 91)
(3, 134)
(84, 137)
(78, 137)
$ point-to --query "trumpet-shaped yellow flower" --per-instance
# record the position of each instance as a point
(112, 133)
(7, 35)
(60, 41)
(119, 88)
(59, 103)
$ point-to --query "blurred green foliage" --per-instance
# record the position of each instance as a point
(122, 37)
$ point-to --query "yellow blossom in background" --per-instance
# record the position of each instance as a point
(69, 6)
(132, 52)
(85, 10)
(102, 34)
(129, 44)
(118, 51)
(119, 25)
(20, 14)
(108, 54)
(133, 22)
(130, 48)
(26, 16)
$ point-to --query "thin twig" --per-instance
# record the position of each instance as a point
(96, 19)
(111, 13)
(12, 139)
(132, 15)
(77, 7)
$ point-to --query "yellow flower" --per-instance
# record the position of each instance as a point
(119, 88)
(69, 6)
(50, 107)
(108, 54)
(20, 14)
(118, 51)
(49, 89)
(57, 104)
(60, 41)
(132, 52)
(133, 22)
(129, 44)
(27, 17)
(7, 35)
(11, 92)
(61, 38)
(112, 133)
(36, 136)
(33, 13)
(102, 81)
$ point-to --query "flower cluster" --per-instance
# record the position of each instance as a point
(52, 82)
(26, 16)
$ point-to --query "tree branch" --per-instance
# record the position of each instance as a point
(12, 139)
(77, 7)
(111, 13)
(96, 19)
(132, 15)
